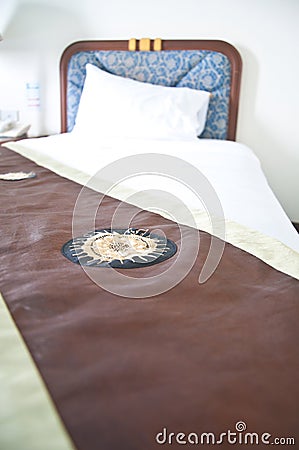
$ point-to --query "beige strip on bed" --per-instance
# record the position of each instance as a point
(28, 418)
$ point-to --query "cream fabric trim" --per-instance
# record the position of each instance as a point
(28, 418)
(268, 249)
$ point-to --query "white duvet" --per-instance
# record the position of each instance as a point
(231, 168)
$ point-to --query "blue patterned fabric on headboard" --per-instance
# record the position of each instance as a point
(196, 69)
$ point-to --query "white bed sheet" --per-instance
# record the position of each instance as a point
(232, 168)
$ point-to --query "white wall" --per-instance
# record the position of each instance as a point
(266, 33)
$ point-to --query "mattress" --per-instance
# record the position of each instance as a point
(247, 203)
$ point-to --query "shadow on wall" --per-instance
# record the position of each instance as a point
(249, 88)
(276, 159)
(41, 26)
(34, 38)
(8, 8)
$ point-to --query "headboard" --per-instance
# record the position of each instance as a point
(210, 65)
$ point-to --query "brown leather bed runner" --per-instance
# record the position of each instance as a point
(198, 358)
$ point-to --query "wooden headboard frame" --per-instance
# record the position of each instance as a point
(212, 45)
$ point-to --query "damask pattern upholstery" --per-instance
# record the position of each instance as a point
(196, 69)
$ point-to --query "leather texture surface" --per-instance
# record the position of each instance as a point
(196, 69)
(198, 358)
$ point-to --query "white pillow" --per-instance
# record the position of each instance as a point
(113, 106)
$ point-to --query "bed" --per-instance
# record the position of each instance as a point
(193, 342)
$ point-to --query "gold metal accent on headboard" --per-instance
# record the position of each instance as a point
(144, 45)
(132, 45)
(157, 45)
